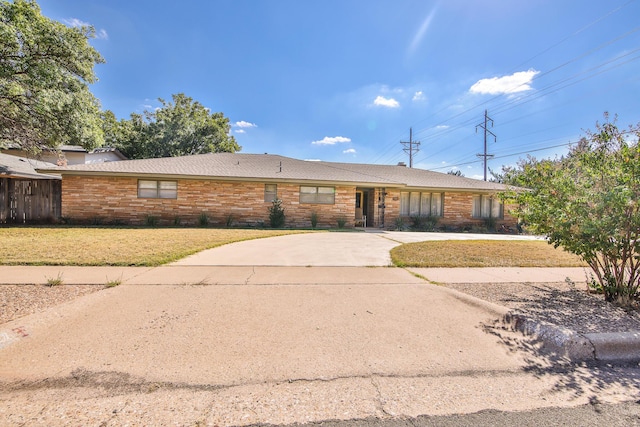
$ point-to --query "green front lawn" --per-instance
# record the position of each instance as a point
(114, 246)
(483, 253)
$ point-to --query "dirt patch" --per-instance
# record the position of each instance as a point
(21, 300)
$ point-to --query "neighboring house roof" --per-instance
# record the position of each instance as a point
(76, 149)
(274, 168)
(70, 148)
(90, 153)
(79, 149)
(20, 167)
(114, 150)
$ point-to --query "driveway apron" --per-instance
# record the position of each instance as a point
(334, 249)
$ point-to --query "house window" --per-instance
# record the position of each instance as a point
(157, 189)
(415, 203)
(487, 207)
(318, 195)
(270, 192)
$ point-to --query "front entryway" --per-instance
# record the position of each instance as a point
(363, 209)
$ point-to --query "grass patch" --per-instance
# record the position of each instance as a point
(55, 281)
(483, 253)
(113, 283)
(96, 246)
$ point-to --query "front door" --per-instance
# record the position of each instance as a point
(362, 203)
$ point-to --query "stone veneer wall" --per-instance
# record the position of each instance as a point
(115, 199)
(457, 211)
(112, 199)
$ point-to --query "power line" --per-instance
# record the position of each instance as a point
(409, 147)
(566, 144)
(508, 155)
(511, 104)
(487, 132)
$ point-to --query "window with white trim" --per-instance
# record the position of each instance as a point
(270, 192)
(485, 206)
(318, 195)
(152, 189)
(416, 203)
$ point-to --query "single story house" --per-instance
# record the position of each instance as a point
(26, 195)
(240, 188)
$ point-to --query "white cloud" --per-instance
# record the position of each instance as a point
(240, 131)
(418, 96)
(331, 140)
(75, 22)
(243, 124)
(101, 34)
(442, 127)
(381, 101)
(419, 35)
(516, 82)
(349, 151)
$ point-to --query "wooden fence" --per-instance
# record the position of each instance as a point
(29, 200)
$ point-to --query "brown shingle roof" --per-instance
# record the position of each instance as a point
(270, 167)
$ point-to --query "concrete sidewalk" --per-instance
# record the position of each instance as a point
(177, 274)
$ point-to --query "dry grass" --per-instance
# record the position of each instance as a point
(483, 253)
(114, 246)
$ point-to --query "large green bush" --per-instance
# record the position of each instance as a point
(588, 202)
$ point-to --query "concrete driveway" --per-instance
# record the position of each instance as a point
(334, 249)
(313, 249)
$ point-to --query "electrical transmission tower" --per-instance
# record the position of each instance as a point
(411, 147)
(486, 156)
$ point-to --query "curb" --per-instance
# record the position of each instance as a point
(603, 347)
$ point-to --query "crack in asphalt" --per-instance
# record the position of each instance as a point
(379, 400)
(121, 382)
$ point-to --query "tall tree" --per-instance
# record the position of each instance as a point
(588, 202)
(45, 70)
(127, 135)
(178, 128)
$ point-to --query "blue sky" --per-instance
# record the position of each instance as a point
(344, 80)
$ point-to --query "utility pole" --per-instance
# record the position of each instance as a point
(486, 156)
(411, 149)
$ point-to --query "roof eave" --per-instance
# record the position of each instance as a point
(217, 178)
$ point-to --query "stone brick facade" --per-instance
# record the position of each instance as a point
(115, 200)
(457, 212)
